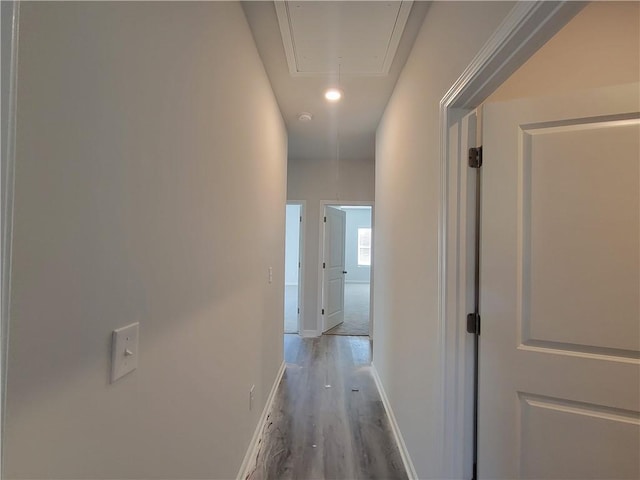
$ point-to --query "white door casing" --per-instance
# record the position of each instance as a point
(560, 287)
(301, 265)
(334, 264)
(462, 136)
(527, 27)
(300, 246)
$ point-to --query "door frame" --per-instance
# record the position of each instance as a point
(526, 28)
(301, 236)
(345, 203)
(7, 189)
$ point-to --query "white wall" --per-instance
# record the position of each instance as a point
(599, 47)
(151, 156)
(406, 327)
(351, 180)
(292, 245)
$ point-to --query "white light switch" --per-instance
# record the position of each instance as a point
(124, 351)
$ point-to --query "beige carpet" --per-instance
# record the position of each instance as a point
(356, 311)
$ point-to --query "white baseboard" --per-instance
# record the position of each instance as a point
(310, 333)
(248, 463)
(356, 281)
(404, 453)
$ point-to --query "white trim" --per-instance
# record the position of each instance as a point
(398, 30)
(395, 429)
(9, 158)
(301, 270)
(339, 203)
(525, 29)
(249, 461)
(286, 31)
(310, 333)
(284, 21)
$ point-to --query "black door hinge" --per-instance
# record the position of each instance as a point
(298, 311)
(323, 311)
(473, 323)
(325, 219)
(324, 265)
(475, 157)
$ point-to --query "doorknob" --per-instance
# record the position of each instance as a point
(344, 271)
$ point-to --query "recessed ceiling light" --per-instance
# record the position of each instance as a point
(305, 117)
(333, 94)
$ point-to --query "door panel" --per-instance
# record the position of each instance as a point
(334, 259)
(585, 172)
(560, 287)
(591, 457)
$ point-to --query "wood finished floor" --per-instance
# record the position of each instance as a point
(327, 421)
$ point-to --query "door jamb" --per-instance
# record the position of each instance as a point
(338, 203)
(7, 189)
(301, 243)
(525, 29)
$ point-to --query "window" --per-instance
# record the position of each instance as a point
(364, 247)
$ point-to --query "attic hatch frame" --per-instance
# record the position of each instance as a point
(527, 27)
(285, 24)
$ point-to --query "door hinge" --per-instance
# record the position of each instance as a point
(325, 219)
(299, 264)
(475, 157)
(298, 311)
(323, 311)
(300, 218)
(324, 265)
(473, 323)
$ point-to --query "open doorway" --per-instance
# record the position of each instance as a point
(346, 286)
(292, 270)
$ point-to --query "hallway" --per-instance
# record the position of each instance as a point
(328, 420)
(150, 150)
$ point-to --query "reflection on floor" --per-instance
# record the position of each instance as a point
(327, 421)
(356, 310)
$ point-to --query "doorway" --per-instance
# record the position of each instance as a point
(293, 267)
(347, 302)
(571, 129)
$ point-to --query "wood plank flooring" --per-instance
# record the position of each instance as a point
(327, 421)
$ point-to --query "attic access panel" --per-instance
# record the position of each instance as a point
(359, 36)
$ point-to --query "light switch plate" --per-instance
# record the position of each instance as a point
(124, 351)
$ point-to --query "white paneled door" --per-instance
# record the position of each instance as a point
(334, 267)
(560, 287)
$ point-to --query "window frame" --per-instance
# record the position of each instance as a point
(366, 245)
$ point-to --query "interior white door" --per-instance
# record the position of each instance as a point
(334, 267)
(560, 287)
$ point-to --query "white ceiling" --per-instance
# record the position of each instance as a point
(350, 44)
(324, 38)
